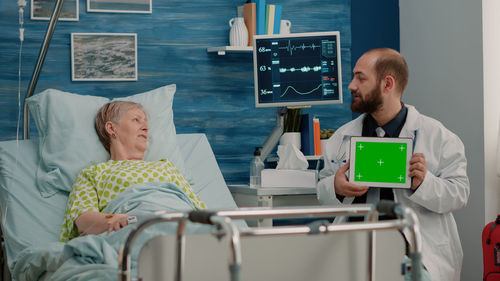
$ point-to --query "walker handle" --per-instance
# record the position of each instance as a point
(201, 216)
(390, 208)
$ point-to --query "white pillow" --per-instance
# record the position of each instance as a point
(69, 142)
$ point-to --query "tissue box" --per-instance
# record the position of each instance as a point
(289, 178)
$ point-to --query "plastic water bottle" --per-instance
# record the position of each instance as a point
(255, 168)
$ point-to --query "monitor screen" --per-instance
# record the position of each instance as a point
(298, 69)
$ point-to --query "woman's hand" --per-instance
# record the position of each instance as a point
(92, 222)
(116, 222)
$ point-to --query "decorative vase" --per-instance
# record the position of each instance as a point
(323, 146)
(285, 26)
(238, 35)
(292, 138)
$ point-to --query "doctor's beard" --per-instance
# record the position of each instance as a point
(370, 103)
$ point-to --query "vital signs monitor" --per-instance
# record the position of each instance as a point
(297, 69)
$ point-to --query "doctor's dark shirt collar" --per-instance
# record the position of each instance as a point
(392, 128)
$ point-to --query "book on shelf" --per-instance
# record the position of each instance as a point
(273, 18)
(261, 16)
(267, 18)
(307, 134)
(277, 19)
(317, 137)
(239, 10)
(250, 16)
(270, 19)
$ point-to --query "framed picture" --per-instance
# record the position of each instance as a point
(120, 6)
(104, 56)
(42, 10)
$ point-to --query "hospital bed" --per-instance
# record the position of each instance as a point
(30, 220)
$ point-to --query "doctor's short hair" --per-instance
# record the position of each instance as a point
(391, 62)
(112, 111)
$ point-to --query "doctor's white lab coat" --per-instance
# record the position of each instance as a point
(445, 187)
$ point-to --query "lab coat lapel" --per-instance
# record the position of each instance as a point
(412, 123)
(354, 128)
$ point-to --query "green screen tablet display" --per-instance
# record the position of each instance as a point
(382, 162)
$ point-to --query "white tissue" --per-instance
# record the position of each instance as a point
(291, 158)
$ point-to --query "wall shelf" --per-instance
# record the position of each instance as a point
(229, 49)
(308, 157)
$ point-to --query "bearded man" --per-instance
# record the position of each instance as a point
(439, 182)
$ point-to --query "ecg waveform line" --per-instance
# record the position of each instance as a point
(299, 92)
(302, 69)
(290, 48)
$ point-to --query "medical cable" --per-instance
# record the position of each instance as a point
(22, 5)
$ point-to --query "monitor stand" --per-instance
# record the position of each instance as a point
(273, 138)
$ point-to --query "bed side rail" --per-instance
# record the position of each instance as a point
(223, 219)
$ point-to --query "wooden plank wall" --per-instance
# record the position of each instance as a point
(214, 93)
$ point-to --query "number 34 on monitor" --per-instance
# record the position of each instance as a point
(380, 162)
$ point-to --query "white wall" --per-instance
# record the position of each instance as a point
(491, 66)
(442, 42)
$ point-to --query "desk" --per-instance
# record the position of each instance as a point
(246, 196)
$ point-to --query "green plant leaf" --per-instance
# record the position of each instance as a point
(292, 120)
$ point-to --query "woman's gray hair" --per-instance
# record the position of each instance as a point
(113, 112)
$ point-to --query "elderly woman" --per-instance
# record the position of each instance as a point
(122, 128)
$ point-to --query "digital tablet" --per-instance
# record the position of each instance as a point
(381, 162)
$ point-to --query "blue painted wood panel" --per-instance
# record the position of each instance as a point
(383, 30)
(214, 93)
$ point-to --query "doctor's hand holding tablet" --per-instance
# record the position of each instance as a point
(418, 168)
(380, 162)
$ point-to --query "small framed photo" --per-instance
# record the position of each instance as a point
(120, 6)
(104, 56)
(42, 10)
